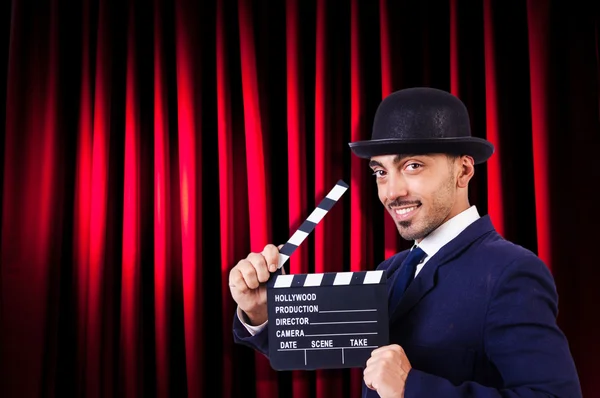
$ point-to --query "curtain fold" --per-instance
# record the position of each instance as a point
(189, 115)
(129, 377)
(147, 147)
(494, 193)
(537, 22)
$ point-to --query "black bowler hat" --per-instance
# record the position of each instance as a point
(422, 120)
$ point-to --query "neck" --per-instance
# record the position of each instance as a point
(461, 203)
(460, 206)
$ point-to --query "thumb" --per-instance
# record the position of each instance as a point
(283, 266)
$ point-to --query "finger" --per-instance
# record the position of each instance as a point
(380, 350)
(236, 280)
(376, 352)
(372, 361)
(271, 255)
(368, 379)
(249, 273)
(389, 351)
(260, 265)
(282, 268)
(398, 348)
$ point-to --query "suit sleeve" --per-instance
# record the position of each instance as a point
(258, 342)
(521, 338)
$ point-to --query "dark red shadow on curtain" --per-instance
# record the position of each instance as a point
(148, 147)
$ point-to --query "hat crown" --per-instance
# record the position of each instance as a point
(421, 113)
(422, 120)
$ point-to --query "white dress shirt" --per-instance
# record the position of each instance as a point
(449, 230)
(431, 244)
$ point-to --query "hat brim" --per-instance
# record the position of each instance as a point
(478, 148)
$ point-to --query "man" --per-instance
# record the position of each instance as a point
(471, 314)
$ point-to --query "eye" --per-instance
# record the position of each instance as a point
(413, 166)
(378, 173)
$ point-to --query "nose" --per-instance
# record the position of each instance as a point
(396, 187)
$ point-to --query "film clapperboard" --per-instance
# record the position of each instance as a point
(324, 320)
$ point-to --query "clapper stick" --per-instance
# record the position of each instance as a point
(311, 222)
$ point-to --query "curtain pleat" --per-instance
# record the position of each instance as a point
(537, 22)
(189, 115)
(227, 224)
(494, 194)
(31, 218)
(130, 271)
(162, 214)
(96, 323)
(83, 192)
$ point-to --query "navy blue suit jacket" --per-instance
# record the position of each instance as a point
(479, 320)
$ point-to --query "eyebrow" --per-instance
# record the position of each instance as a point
(397, 159)
(374, 163)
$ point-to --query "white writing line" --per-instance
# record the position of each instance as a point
(324, 348)
(330, 311)
(337, 323)
(337, 334)
(342, 355)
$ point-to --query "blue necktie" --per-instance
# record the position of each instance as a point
(406, 274)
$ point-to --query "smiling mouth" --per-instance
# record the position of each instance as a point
(405, 210)
(403, 213)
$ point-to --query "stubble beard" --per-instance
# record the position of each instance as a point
(439, 210)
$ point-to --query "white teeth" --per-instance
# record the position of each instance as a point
(405, 210)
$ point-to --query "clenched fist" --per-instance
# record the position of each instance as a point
(387, 370)
(247, 282)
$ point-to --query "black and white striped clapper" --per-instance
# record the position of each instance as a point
(311, 222)
(325, 320)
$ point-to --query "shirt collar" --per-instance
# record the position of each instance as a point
(433, 242)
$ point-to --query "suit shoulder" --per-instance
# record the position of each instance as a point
(506, 255)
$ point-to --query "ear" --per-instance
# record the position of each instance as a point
(466, 171)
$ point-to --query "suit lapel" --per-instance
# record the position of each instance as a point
(419, 287)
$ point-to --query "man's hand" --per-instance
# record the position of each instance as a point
(247, 282)
(387, 370)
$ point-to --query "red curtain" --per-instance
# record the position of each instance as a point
(148, 146)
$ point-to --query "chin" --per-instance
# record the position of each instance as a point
(414, 229)
(410, 233)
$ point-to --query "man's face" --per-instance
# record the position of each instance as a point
(419, 191)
